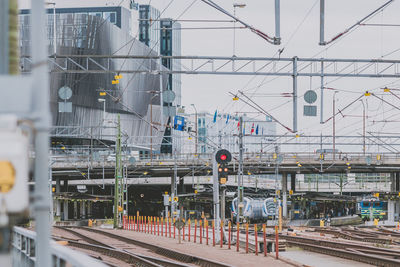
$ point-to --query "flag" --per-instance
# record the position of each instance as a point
(238, 125)
(244, 128)
(252, 129)
(227, 119)
(215, 116)
(257, 130)
(262, 130)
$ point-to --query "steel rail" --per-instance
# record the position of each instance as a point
(348, 254)
(114, 252)
(161, 250)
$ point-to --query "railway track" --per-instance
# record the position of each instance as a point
(366, 254)
(117, 246)
(362, 236)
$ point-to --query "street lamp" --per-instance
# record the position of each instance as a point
(196, 129)
(235, 5)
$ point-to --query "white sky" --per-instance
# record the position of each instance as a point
(211, 92)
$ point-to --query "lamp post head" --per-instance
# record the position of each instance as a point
(101, 100)
(239, 5)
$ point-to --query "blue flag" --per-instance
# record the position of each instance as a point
(257, 130)
(215, 117)
(227, 119)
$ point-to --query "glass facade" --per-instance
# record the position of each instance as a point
(149, 25)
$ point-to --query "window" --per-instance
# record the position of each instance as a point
(110, 16)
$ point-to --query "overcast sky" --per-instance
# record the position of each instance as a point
(300, 36)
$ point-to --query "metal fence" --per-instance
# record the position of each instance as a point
(23, 252)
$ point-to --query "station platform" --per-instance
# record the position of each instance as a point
(223, 255)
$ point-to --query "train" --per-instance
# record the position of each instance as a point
(377, 207)
(256, 209)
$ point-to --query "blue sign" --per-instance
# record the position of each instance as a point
(179, 123)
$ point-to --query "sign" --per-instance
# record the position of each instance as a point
(179, 123)
(179, 224)
(222, 180)
(176, 199)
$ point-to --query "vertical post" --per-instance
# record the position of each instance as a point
(364, 148)
(276, 243)
(118, 174)
(206, 223)
(183, 231)
(54, 30)
(4, 31)
(295, 94)
(174, 227)
(213, 232)
(321, 22)
(334, 125)
(223, 193)
(170, 221)
(216, 192)
(222, 235)
(201, 233)
(189, 230)
(237, 237)
(322, 93)
(277, 39)
(195, 231)
(41, 107)
(265, 239)
(229, 234)
(247, 237)
(240, 172)
(255, 237)
(284, 194)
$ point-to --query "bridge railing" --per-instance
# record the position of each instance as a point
(24, 254)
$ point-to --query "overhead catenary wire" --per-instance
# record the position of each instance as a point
(358, 23)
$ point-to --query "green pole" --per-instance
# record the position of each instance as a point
(13, 51)
(118, 173)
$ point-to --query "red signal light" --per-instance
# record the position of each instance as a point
(223, 157)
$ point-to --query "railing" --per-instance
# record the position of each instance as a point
(23, 252)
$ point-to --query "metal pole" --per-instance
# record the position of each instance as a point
(174, 192)
(364, 148)
(277, 39)
(333, 127)
(240, 172)
(295, 94)
(322, 22)
(41, 107)
(4, 31)
(151, 129)
(117, 172)
(54, 30)
(322, 93)
(216, 193)
(234, 31)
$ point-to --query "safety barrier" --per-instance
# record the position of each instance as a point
(166, 227)
(24, 254)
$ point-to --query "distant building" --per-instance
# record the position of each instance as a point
(171, 46)
(258, 134)
(98, 30)
(149, 27)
